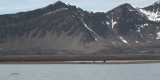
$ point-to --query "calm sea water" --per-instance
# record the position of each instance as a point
(80, 71)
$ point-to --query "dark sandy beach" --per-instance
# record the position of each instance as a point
(84, 62)
(80, 59)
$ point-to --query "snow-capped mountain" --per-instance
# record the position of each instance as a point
(128, 21)
(66, 29)
(152, 11)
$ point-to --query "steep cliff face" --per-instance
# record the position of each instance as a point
(60, 29)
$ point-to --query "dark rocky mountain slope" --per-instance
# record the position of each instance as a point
(66, 29)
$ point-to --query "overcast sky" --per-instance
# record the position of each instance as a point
(14, 6)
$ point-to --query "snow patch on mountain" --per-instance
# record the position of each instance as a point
(107, 23)
(96, 39)
(158, 35)
(113, 42)
(123, 40)
(89, 29)
(137, 42)
(153, 16)
(143, 25)
(52, 12)
(113, 23)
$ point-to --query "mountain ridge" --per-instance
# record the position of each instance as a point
(62, 29)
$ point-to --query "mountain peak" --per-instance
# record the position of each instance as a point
(125, 5)
(59, 3)
(152, 11)
(158, 2)
(154, 5)
(121, 9)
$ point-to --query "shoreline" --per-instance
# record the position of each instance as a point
(80, 59)
(84, 62)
